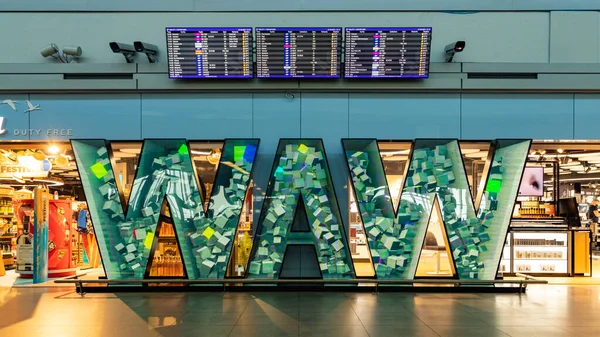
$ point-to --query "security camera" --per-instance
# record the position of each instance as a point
(149, 49)
(454, 48)
(127, 50)
(74, 51)
(49, 50)
(53, 51)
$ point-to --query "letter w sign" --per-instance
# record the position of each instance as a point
(126, 231)
(475, 230)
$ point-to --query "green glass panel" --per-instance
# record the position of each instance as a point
(496, 208)
(300, 171)
(493, 186)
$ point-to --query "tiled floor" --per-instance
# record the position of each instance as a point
(547, 311)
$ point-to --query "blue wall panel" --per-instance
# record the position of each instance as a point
(536, 116)
(565, 37)
(326, 116)
(275, 116)
(197, 116)
(404, 116)
(587, 116)
(14, 121)
(89, 116)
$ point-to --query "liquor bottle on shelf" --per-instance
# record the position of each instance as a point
(25, 248)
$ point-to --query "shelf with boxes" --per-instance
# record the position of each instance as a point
(550, 250)
(540, 252)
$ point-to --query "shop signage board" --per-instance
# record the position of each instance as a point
(300, 177)
(36, 169)
(20, 133)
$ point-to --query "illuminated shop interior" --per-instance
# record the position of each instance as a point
(549, 232)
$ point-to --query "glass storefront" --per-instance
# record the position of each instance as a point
(132, 230)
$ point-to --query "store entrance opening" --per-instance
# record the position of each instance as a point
(435, 259)
(165, 256)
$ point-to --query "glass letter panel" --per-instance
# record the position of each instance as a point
(301, 170)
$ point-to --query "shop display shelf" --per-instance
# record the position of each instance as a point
(168, 239)
(541, 259)
(541, 246)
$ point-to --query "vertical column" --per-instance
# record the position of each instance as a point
(41, 205)
(198, 44)
(333, 63)
(376, 53)
(226, 53)
(314, 53)
(423, 52)
(286, 53)
(244, 53)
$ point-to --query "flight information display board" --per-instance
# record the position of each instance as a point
(209, 52)
(387, 52)
(298, 52)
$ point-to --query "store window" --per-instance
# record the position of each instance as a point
(49, 165)
(550, 230)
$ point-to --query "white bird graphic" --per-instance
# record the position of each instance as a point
(10, 103)
(32, 107)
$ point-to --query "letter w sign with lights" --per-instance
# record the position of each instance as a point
(300, 177)
(126, 232)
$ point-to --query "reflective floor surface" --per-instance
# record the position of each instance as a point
(548, 310)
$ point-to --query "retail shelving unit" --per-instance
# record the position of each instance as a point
(8, 233)
(546, 248)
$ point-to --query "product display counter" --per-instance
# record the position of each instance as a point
(546, 247)
(62, 244)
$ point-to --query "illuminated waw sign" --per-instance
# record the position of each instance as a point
(300, 177)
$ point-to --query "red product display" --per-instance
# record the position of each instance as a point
(60, 232)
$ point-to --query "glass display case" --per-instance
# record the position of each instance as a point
(540, 252)
(551, 249)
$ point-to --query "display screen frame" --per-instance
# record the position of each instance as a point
(537, 173)
(348, 30)
(340, 69)
(212, 29)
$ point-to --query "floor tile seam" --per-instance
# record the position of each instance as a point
(458, 326)
(357, 316)
(238, 319)
(523, 326)
(432, 330)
